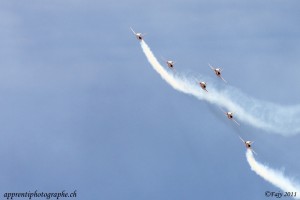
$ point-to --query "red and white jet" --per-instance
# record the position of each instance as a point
(248, 144)
(170, 63)
(203, 86)
(217, 72)
(230, 116)
(139, 36)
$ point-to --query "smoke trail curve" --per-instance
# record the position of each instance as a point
(284, 120)
(275, 177)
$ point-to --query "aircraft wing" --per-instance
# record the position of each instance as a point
(236, 122)
(253, 151)
(211, 67)
(223, 79)
(242, 139)
(133, 31)
(223, 110)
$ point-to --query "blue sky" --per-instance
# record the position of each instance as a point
(81, 108)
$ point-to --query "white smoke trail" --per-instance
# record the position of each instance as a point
(284, 120)
(275, 177)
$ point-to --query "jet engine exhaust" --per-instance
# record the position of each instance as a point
(284, 120)
(275, 177)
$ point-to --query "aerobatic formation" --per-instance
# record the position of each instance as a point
(183, 84)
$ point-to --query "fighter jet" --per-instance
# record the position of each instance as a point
(248, 144)
(203, 86)
(139, 36)
(217, 72)
(229, 116)
(170, 63)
